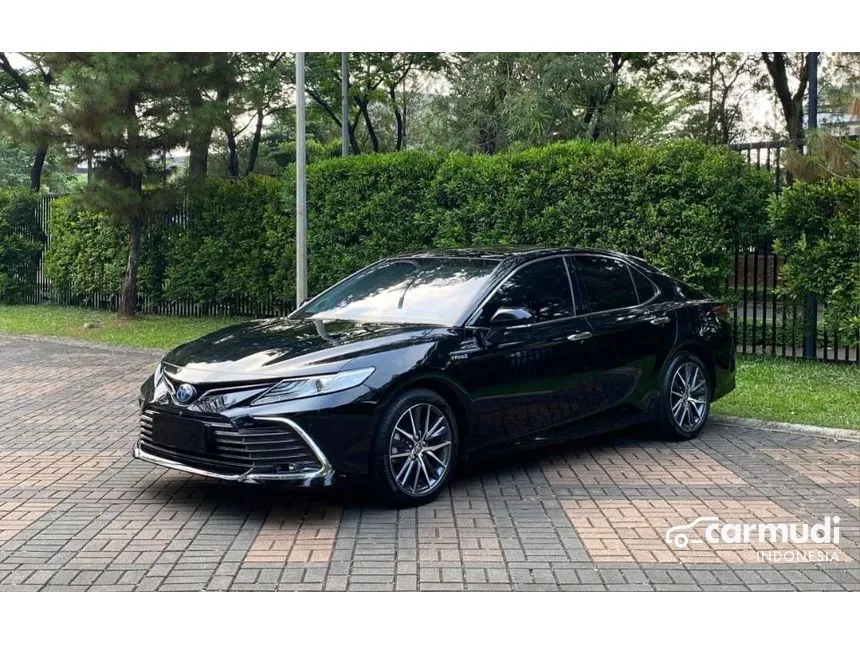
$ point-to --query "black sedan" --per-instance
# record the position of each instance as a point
(406, 368)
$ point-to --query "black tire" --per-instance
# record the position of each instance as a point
(672, 404)
(382, 465)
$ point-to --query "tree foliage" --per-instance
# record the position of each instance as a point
(714, 87)
(817, 227)
(25, 109)
(375, 79)
(500, 101)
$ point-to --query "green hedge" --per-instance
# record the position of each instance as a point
(21, 243)
(817, 227)
(224, 250)
(680, 206)
(88, 251)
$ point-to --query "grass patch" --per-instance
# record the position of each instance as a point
(160, 332)
(768, 388)
(809, 392)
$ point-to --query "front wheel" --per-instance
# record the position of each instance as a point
(685, 397)
(415, 448)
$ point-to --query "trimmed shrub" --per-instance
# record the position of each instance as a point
(221, 252)
(361, 209)
(88, 251)
(21, 243)
(817, 227)
(683, 206)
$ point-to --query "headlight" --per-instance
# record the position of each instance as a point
(301, 388)
(159, 372)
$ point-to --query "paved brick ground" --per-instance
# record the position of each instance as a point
(77, 513)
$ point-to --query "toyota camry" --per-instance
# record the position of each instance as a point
(403, 370)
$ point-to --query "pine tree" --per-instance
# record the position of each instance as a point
(125, 111)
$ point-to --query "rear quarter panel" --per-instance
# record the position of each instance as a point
(701, 331)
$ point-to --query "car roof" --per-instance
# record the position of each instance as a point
(514, 254)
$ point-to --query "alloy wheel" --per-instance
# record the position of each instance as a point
(419, 452)
(689, 396)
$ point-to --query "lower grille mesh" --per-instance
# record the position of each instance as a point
(231, 450)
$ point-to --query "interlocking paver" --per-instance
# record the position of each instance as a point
(77, 513)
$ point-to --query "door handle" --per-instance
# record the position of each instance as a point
(659, 320)
(583, 335)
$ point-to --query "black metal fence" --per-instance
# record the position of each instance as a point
(765, 320)
(44, 291)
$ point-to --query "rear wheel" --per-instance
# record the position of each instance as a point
(415, 448)
(685, 397)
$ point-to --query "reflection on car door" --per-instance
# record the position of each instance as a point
(633, 332)
(537, 375)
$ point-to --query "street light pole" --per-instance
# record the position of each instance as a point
(301, 189)
(344, 104)
(810, 301)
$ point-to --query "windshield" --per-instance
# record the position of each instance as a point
(412, 290)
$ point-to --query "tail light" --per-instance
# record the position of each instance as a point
(721, 311)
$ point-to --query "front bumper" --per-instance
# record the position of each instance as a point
(323, 475)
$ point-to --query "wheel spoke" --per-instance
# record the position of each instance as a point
(424, 470)
(415, 481)
(438, 445)
(414, 428)
(406, 467)
(400, 455)
(426, 422)
(404, 433)
(430, 453)
(677, 406)
(436, 429)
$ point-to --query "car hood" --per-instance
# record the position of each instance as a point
(281, 347)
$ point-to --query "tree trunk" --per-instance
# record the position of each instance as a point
(618, 60)
(398, 116)
(232, 154)
(198, 147)
(362, 107)
(791, 103)
(128, 297)
(795, 123)
(487, 137)
(255, 143)
(36, 169)
(199, 139)
(353, 141)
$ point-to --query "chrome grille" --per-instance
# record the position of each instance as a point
(264, 446)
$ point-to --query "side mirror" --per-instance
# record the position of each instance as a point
(505, 316)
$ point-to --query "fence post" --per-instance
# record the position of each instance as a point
(810, 314)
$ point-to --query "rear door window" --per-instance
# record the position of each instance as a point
(606, 282)
(644, 287)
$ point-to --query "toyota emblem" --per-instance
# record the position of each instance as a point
(185, 393)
